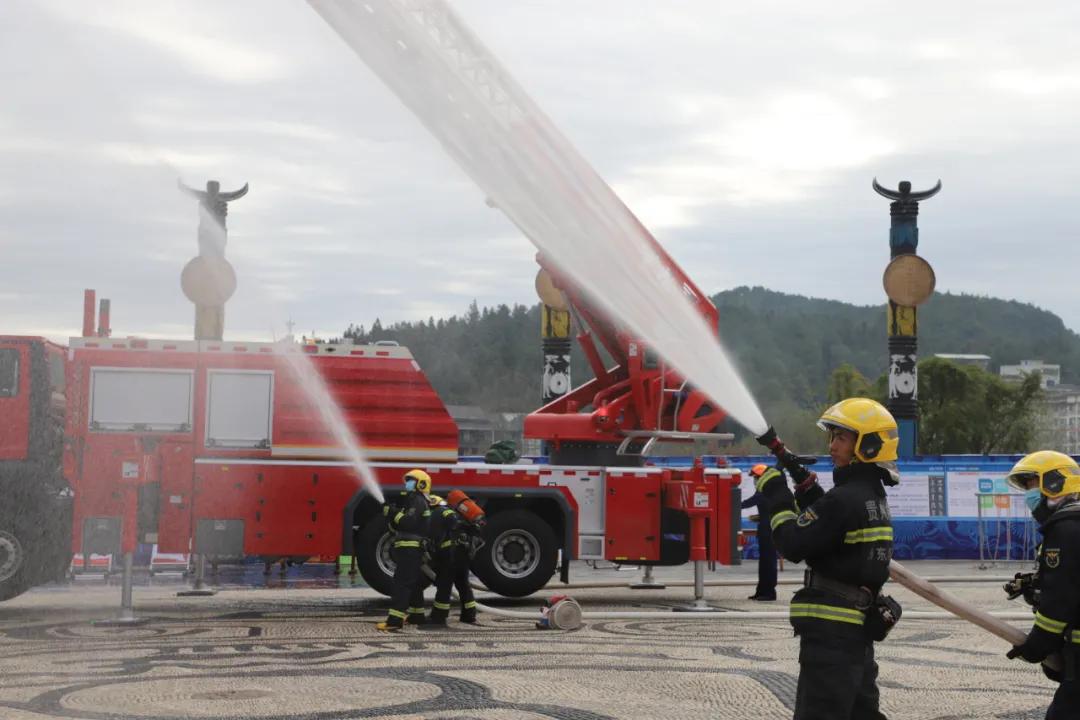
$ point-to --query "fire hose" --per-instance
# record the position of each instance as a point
(748, 582)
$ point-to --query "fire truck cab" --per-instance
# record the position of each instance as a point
(35, 501)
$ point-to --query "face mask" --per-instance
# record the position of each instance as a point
(1032, 498)
(410, 484)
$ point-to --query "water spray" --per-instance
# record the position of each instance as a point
(316, 390)
(456, 87)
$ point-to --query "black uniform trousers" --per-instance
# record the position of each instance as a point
(1066, 703)
(452, 571)
(836, 681)
(766, 568)
(408, 597)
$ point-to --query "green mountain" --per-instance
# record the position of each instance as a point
(786, 346)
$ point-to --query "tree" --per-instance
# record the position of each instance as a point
(847, 382)
(964, 409)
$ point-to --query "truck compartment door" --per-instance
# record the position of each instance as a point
(175, 497)
(632, 512)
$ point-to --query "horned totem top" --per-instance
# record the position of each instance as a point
(215, 201)
(904, 194)
(215, 204)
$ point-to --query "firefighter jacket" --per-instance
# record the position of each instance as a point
(409, 521)
(444, 527)
(845, 536)
(1057, 615)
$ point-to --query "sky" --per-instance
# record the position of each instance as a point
(744, 137)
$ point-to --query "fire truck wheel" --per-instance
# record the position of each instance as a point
(519, 554)
(14, 566)
(373, 556)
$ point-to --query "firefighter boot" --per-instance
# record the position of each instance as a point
(437, 619)
(416, 616)
(468, 612)
(393, 623)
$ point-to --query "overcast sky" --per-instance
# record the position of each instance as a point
(745, 136)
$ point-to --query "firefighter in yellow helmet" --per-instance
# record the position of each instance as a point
(845, 536)
(408, 520)
(1051, 484)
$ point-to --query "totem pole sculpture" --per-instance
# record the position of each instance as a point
(909, 281)
(555, 338)
(209, 280)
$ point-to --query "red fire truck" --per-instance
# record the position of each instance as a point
(212, 448)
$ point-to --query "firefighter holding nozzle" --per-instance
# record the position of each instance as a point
(1051, 484)
(845, 536)
(408, 521)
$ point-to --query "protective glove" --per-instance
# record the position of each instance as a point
(1019, 585)
(1025, 652)
(805, 496)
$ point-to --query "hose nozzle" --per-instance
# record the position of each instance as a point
(794, 464)
(768, 438)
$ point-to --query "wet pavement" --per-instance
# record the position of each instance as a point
(304, 646)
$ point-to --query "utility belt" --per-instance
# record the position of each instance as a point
(860, 597)
(882, 611)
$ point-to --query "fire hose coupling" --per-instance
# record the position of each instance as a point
(794, 464)
(560, 612)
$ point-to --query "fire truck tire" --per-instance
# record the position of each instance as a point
(15, 564)
(373, 557)
(519, 554)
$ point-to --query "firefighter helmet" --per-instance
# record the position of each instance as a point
(876, 436)
(421, 481)
(434, 500)
(758, 470)
(1054, 473)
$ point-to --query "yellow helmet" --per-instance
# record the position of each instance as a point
(1057, 473)
(434, 500)
(421, 481)
(875, 428)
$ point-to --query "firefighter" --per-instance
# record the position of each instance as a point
(409, 523)
(1051, 484)
(454, 533)
(443, 529)
(845, 537)
(766, 574)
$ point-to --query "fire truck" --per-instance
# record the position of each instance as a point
(213, 448)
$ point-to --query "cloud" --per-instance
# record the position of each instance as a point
(201, 40)
(738, 138)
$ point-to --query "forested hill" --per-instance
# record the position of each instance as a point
(786, 345)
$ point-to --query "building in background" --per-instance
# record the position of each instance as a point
(980, 361)
(479, 429)
(1051, 374)
(1061, 418)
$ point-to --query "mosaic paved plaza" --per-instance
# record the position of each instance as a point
(292, 651)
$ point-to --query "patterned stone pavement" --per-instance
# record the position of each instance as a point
(294, 653)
